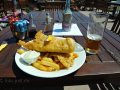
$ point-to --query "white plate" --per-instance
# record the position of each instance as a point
(78, 62)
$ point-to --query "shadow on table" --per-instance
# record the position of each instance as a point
(37, 82)
(11, 40)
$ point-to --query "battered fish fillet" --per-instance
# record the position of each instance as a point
(61, 45)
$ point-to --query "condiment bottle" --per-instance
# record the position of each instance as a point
(67, 17)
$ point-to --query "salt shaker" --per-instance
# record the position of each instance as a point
(32, 27)
(48, 18)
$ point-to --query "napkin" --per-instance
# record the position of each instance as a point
(57, 30)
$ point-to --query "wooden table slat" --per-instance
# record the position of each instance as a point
(98, 68)
(103, 53)
(113, 35)
(110, 47)
(112, 41)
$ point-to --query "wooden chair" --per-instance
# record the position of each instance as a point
(3, 14)
(101, 5)
(74, 5)
(2, 8)
(54, 6)
(9, 6)
(51, 5)
(116, 25)
(24, 5)
(89, 4)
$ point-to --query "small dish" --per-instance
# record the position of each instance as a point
(30, 56)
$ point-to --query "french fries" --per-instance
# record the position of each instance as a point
(50, 64)
(54, 61)
(43, 67)
(39, 66)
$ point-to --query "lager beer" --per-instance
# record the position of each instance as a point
(96, 27)
(93, 43)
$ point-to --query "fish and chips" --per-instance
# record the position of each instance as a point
(56, 53)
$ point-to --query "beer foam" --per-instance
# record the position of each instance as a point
(94, 37)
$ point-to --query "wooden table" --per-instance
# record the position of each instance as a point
(101, 67)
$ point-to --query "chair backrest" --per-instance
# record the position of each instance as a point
(23, 3)
(54, 6)
(89, 3)
(2, 8)
(116, 25)
(101, 5)
(9, 5)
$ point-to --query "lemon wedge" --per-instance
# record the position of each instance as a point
(20, 51)
(49, 38)
(2, 46)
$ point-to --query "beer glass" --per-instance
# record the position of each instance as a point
(95, 31)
